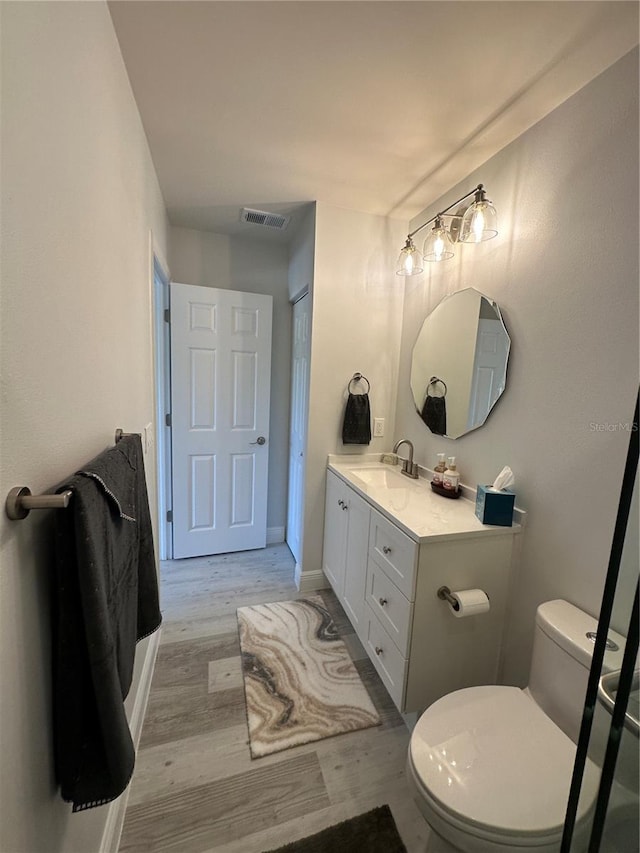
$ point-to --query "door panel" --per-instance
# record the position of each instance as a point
(203, 506)
(220, 389)
(201, 391)
(243, 389)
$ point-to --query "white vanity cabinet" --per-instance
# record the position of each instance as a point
(344, 558)
(387, 581)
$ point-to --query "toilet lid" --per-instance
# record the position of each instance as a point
(491, 758)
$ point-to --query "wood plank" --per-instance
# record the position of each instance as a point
(187, 662)
(178, 712)
(371, 765)
(199, 817)
(389, 714)
(225, 674)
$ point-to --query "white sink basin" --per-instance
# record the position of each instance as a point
(381, 478)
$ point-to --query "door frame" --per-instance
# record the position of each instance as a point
(162, 382)
(293, 402)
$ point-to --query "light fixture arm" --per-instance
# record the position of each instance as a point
(478, 191)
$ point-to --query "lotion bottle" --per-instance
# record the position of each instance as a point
(451, 477)
(438, 471)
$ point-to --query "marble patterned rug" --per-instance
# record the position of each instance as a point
(299, 680)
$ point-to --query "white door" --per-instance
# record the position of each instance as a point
(220, 388)
(489, 374)
(298, 423)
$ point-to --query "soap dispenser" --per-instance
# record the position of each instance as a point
(438, 471)
(451, 477)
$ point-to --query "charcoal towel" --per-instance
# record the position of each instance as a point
(356, 427)
(107, 600)
(434, 414)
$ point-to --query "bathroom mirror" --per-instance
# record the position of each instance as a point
(459, 364)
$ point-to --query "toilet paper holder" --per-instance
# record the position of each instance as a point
(444, 593)
(465, 602)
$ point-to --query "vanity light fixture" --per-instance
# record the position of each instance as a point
(476, 224)
(438, 245)
(480, 220)
(410, 260)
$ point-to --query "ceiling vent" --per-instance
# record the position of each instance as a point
(263, 217)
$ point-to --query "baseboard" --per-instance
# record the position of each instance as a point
(275, 535)
(310, 581)
(115, 816)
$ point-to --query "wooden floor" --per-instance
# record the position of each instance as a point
(196, 788)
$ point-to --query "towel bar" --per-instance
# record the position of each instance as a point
(20, 501)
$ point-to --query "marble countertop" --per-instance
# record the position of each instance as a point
(411, 504)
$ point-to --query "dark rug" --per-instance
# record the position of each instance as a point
(372, 832)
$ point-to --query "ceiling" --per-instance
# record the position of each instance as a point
(374, 106)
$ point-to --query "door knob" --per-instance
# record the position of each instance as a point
(260, 440)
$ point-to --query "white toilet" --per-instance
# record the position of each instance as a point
(490, 767)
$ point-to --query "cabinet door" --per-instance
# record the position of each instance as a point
(355, 578)
(335, 533)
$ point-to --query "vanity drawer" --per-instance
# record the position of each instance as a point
(386, 658)
(394, 552)
(390, 606)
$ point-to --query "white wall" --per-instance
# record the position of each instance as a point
(301, 255)
(357, 316)
(79, 197)
(254, 266)
(564, 270)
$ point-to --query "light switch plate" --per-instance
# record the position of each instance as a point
(378, 427)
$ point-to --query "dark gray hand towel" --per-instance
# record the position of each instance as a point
(434, 414)
(356, 427)
(107, 600)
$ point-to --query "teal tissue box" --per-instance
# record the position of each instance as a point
(495, 507)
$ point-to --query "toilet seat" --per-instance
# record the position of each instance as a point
(491, 765)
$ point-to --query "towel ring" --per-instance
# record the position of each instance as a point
(433, 381)
(358, 377)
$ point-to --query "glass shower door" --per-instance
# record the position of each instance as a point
(609, 733)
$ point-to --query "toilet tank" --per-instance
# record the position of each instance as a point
(561, 660)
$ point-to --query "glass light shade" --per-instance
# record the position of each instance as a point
(480, 221)
(438, 246)
(410, 260)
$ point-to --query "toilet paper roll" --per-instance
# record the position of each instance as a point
(469, 602)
